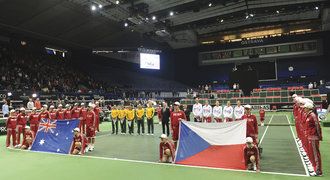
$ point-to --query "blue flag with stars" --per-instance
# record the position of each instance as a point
(55, 136)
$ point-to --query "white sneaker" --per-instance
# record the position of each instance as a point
(29, 148)
(152, 134)
(262, 124)
(147, 134)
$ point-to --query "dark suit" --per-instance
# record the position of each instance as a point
(165, 120)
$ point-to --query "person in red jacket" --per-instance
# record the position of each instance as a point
(60, 112)
(68, 112)
(82, 124)
(176, 116)
(262, 113)
(251, 155)
(44, 114)
(34, 119)
(90, 126)
(11, 128)
(97, 111)
(53, 114)
(28, 138)
(159, 113)
(79, 142)
(166, 150)
(76, 110)
(314, 136)
(251, 124)
(21, 123)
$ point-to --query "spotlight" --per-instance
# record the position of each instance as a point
(9, 94)
(126, 24)
(210, 4)
(117, 2)
(34, 95)
(221, 20)
(316, 8)
(171, 13)
(147, 18)
(278, 12)
(100, 6)
(251, 15)
(153, 17)
(246, 17)
(93, 7)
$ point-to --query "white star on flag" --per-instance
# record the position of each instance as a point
(42, 141)
(68, 123)
(58, 150)
(66, 138)
(56, 134)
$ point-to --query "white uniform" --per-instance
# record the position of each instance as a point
(228, 113)
(238, 112)
(198, 111)
(217, 113)
(207, 113)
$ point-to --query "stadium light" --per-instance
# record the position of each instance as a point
(9, 94)
(221, 20)
(251, 15)
(147, 18)
(153, 17)
(210, 4)
(171, 13)
(34, 95)
(278, 12)
(100, 6)
(246, 17)
(93, 7)
(316, 8)
(117, 2)
(126, 24)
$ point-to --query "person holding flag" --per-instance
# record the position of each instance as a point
(79, 142)
(176, 116)
(11, 124)
(166, 150)
(238, 111)
(228, 112)
(197, 110)
(207, 112)
(68, 112)
(27, 138)
(130, 116)
(44, 114)
(217, 112)
(52, 113)
(82, 124)
(150, 112)
(34, 119)
(90, 126)
(76, 110)
(140, 112)
(251, 124)
(60, 112)
(21, 123)
(114, 119)
(251, 155)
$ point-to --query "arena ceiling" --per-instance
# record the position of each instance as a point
(130, 23)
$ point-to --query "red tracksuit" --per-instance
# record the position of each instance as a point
(34, 122)
(53, 115)
(90, 124)
(44, 115)
(20, 128)
(97, 118)
(262, 115)
(251, 126)
(82, 124)
(295, 116)
(166, 145)
(314, 136)
(68, 114)
(11, 130)
(76, 113)
(60, 114)
(82, 139)
(28, 135)
(175, 122)
(253, 151)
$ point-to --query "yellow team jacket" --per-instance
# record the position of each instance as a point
(150, 111)
(114, 113)
(139, 113)
(130, 115)
(121, 113)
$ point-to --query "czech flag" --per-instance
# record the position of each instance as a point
(218, 145)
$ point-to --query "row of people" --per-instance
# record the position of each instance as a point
(309, 131)
(204, 113)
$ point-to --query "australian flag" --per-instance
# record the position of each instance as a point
(55, 136)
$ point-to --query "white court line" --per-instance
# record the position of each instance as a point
(263, 135)
(302, 159)
(164, 164)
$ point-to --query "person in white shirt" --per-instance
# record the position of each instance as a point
(207, 112)
(217, 112)
(30, 104)
(197, 111)
(228, 112)
(238, 111)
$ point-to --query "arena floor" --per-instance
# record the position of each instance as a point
(135, 157)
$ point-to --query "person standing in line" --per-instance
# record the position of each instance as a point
(150, 112)
(130, 116)
(176, 116)
(197, 111)
(186, 111)
(11, 124)
(207, 112)
(238, 111)
(140, 114)
(114, 119)
(5, 108)
(165, 119)
(121, 117)
(217, 112)
(228, 112)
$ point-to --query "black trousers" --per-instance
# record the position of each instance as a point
(114, 126)
(123, 125)
(130, 127)
(166, 126)
(150, 123)
(140, 123)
